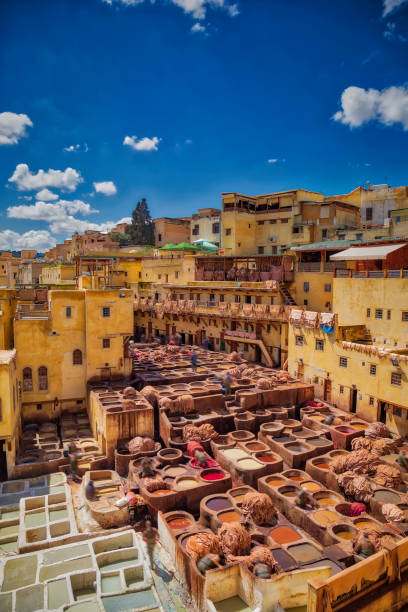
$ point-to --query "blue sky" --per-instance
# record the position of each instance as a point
(102, 103)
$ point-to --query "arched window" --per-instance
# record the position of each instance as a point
(42, 378)
(27, 379)
(77, 357)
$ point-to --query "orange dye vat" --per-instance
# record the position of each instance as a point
(161, 491)
(284, 535)
(229, 517)
(179, 523)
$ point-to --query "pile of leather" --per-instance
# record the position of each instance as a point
(377, 430)
(140, 444)
(233, 356)
(129, 392)
(151, 395)
(393, 513)
(355, 486)
(154, 484)
(265, 383)
(192, 433)
(201, 544)
(258, 508)
(375, 536)
(235, 541)
(378, 447)
(184, 404)
(360, 462)
(261, 554)
(352, 471)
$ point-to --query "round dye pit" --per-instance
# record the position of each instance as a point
(318, 441)
(175, 471)
(322, 465)
(179, 523)
(296, 448)
(309, 485)
(235, 453)
(296, 476)
(317, 417)
(326, 498)
(387, 497)
(161, 492)
(231, 516)
(288, 491)
(359, 425)
(344, 429)
(218, 503)
(344, 532)
(325, 517)
(212, 475)
(255, 446)
(187, 483)
(284, 535)
(249, 464)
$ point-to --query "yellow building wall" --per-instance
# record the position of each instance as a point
(10, 406)
(242, 240)
(352, 297)
(317, 297)
(7, 308)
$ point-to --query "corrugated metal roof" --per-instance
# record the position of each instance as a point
(371, 252)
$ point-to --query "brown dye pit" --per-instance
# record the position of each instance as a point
(325, 517)
(255, 446)
(266, 458)
(275, 482)
(284, 535)
(318, 441)
(219, 503)
(229, 517)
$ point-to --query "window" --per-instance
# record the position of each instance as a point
(198, 296)
(388, 315)
(249, 226)
(159, 237)
(272, 300)
(373, 370)
(327, 287)
(368, 313)
(68, 312)
(405, 315)
(359, 236)
(369, 214)
(106, 343)
(341, 389)
(342, 236)
(324, 233)
(305, 302)
(378, 313)
(216, 228)
(106, 311)
(39, 406)
(299, 340)
(319, 345)
(306, 287)
(284, 220)
(27, 379)
(228, 231)
(237, 298)
(261, 250)
(212, 297)
(343, 362)
(221, 297)
(77, 357)
(397, 411)
(42, 378)
(371, 401)
(159, 277)
(196, 230)
(396, 378)
(272, 221)
(260, 222)
(176, 274)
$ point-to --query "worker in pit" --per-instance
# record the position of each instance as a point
(305, 500)
(210, 561)
(402, 460)
(151, 537)
(201, 458)
(227, 383)
(261, 570)
(147, 470)
(363, 546)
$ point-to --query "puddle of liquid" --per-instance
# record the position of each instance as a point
(179, 523)
(11, 546)
(275, 482)
(283, 559)
(232, 604)
(266, 458)
(161, 491)
(57, 594)
(87, 606)
(327, 501)
(322, 466)
(255, 446)
(5, 516)
(318, 442)
(363, 524)
(215, 475)
(9, 530)
(175, 471)
(111, 584)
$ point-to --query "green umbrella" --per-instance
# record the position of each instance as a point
(167, 247)
(184, 246)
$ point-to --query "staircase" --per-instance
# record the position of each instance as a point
(285, 294)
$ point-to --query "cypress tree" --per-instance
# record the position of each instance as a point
(141, 229)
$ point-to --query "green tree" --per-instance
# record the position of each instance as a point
(123, 239)
(141, 229)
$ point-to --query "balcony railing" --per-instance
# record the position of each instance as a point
(33, 311)
(403, 273)
(230, 310)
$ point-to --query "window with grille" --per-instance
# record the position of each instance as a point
(388, 315)
(369, 214)
(327, 288)
(27, 379)
(68, 312)
(261, 250)
(299, 340)
(373, 370)
(319, 345)
(306, 287)
(341, 389)
(396, 379)
(216, 228)
(228, 231)
(378, 313)
(343, 362)
(368, 313)
(106, 311)
(42, 378)
(405, 315)
(284, 220)
(371, 401)
(106, 343)
(77, 357)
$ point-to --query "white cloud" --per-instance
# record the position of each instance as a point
(72, 148)
(143, 144)
(275, 160)
(188, 141)
(392, 5)
(391, 33)
(25, 180)
(41, 240)
(359, 106)
(196, 8)
(197, 27)
(45, 195)
(108, 188)
(13, 127)
(69, 224)
(47, 211)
